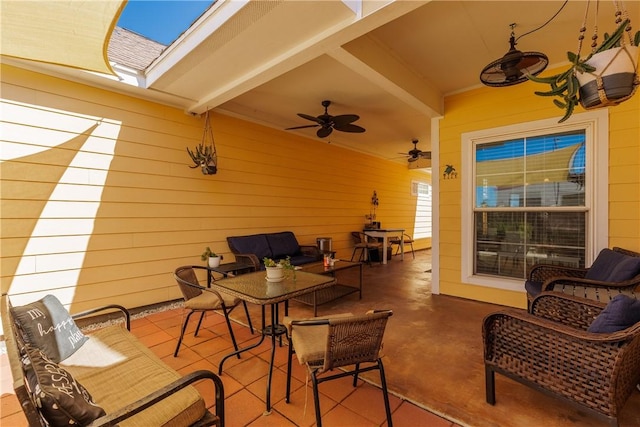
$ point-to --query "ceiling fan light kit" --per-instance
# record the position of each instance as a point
(327, 122)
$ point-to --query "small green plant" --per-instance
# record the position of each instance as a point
(284, 263)
(208, 253)
(565, 85)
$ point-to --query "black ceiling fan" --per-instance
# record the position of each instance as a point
(415, 154)
(327, 122)
(514, 66)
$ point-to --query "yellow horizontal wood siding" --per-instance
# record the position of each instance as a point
(152, 213)
(486, 108)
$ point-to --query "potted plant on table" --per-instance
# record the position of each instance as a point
(275, 269)
(211, 257)
(607, 76)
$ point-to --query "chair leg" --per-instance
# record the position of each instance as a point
(355, 374)
(353, 254)
(316, 399)
(490, 387)
(184, 328)
(290, 357)
(233, 337)
(199, 323)
(412, 251)
(246, 311)
(385, 393)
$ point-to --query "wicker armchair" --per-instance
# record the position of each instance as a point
(550, 350)
(574, 281)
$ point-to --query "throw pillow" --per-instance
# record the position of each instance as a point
(61, 399)
(604, 265)
(620, 313)
(47, 325)
(625, 270)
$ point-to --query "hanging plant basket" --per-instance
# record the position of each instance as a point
(205, 156)
(607, 76)
(614, 80)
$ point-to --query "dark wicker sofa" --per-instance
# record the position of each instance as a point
(552, 350)
(251, 249)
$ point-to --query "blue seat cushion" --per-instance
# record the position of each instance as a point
(533, 287)
(620, 313)
(283, 244)
(612, 266)
(253, 244)
(302, 259)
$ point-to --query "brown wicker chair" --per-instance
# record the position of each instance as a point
(199, 299)
(572, 281)
(550, 350)
(339, 341)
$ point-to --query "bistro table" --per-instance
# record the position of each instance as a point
(385, 234)
(254, 288)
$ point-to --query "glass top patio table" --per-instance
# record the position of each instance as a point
(254, 288)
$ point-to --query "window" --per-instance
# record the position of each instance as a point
(531, 198)
(422, 225)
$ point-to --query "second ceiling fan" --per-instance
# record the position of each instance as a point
(327, 122)
(414, 154)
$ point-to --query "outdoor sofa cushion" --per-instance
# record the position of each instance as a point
(117, 369)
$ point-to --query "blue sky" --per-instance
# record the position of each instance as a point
(161, 21)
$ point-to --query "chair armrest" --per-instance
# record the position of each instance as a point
(558, 283)
(159, 395)
(250, 259)
(125, 313)
(543, 272)
(310, 250)
(569, 310)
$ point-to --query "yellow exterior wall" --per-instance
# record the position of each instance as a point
(486, 108)
(99, 205)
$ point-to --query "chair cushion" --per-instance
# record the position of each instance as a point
(256, 244)
(283, 244)
(533, 287)
(209, 301)
(612, 266)
(310, 342)
(62, 399)
(47, 325)
(625, 270)
(620, 313)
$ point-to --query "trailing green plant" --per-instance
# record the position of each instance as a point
(565, 85)
(208, 253)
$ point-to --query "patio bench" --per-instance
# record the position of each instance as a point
(108, 377)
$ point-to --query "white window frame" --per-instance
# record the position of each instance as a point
(596, 126)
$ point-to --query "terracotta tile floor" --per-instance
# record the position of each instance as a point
(245, 380)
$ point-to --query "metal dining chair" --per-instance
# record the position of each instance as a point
(200, 299)
(408, 240)
(343, 341)
(361, 243)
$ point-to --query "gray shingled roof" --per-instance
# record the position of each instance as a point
(132, 50)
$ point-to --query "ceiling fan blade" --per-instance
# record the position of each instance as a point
(308, 117)
(349, 128)
(345, 119)
(425, 154)
(302, 127)
(323, 132)
(412, 159)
